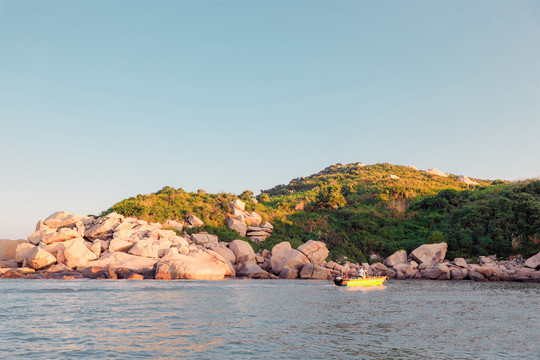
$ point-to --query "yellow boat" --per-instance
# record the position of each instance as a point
(371, 281)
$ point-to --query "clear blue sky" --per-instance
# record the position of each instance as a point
(103, 100)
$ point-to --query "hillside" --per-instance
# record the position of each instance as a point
(362, 209)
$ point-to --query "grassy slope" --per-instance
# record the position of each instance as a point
(376, 213)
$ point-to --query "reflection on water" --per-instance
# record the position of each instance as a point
(239, 319)
(365, 288)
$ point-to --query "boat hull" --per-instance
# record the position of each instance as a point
(372, 281)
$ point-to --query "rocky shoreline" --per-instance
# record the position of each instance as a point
(69, 246)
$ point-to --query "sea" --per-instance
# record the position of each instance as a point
(268, 319)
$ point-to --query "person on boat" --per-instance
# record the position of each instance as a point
(345, 270)
(362, 273)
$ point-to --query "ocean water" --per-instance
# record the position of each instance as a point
(267, 319)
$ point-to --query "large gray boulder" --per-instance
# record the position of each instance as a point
(37, 258)
(119, 245)
(62, 219)
(278, 254)
(312, 271)
(430, 254)
(237, 225)
(439, 272)
(461, 263)
(76, 254)
(204, 239)
(7, 248)
(243, 252)
(315, 251)
(292, 259)
(178, 266)
(21, 250)
(533, 262)
(399, 257)
(225, 252)
(104, 227)
(145, 248)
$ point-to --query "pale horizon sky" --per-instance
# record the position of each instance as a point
(103, 100)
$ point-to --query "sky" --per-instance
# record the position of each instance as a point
(104, 100)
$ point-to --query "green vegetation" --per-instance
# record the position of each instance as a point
(381, 208)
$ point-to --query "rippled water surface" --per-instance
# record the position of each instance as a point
(267, 319)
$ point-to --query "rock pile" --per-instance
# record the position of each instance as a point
(428, 262)
(250, 225)
(115, 246)
(67, 246)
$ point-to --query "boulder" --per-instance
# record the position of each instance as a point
(21, 250)
(173, 224)
(125, 273)
(204, 239)
(243, 252)
(37, 258)
(312, 271)
(95, 248)
(59, 235)
(104, 227)
(458, 273)
(187, 267)
(193, 221)
(117, 260)
(476, 276)
(399, 257)
(58, 268)
(248, 269)
(77, 255)
(487, 261)
(436, 172)
(292, 259)
(252, 220)
(461, 263)
(63, 219)
(524, 274)
(430, 254)
(236, 225)
(487, 271)
(407, 270)
(179, 241)
(378, 269)
(7, 248)
(238, 204)
(315, 251)
(129, 235)
(533, 262)
(266, 225)
(374, 257)
(289, 273)
(278, 254)
(217, 259)
(259, 234)
(464, 179)
(8, 264)
(225, 252)
(439, 272)
(118, 245)
(145, 248)
(98, 272)
(129, 224)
